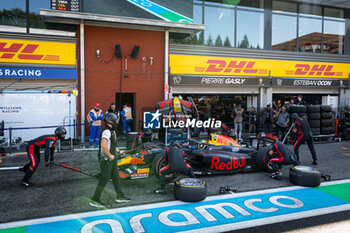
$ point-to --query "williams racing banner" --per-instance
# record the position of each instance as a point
(230, 66)
(37, 52)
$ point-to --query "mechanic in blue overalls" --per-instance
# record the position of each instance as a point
(126, 115)
(96, 116)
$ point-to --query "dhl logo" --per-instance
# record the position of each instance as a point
(234, 67)
(229, 66)
(24, 52)
(315, 70)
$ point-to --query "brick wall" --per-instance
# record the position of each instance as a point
(102, 80)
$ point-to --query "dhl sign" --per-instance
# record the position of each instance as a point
(198, 65)
(37, 52)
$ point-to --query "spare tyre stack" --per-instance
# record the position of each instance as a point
(299, 109)
(326, 120)
(314, 119)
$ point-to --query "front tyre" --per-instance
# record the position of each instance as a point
(263, 159)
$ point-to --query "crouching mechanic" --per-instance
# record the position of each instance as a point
(176, 163)
(108, 162)
(281, 156)
(33, 150)
(305, 135)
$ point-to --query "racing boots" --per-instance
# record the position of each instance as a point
(26, 183)
(97, 204)
(276, 176)
(122, 199)
(315, 162)
(160, 191)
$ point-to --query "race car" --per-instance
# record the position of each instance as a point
(207, 159)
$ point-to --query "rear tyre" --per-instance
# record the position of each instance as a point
(314, 123)
(346, 134)
(297, 109)
(190, 190)
(326, 130)
(325, 108)
(305, 176)
(316, 131)
(326, 115)
(313, 108)
(326, 123)
(314, 116)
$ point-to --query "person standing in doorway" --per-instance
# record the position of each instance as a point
(95, 118)
(126, 115)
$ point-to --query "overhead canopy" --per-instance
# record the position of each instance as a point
(55, 16)
(334, 3)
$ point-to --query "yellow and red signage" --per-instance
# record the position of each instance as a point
(228, 66)
(37, 52)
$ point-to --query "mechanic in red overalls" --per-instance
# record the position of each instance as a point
(33, 150)
(176, 163)
(304, 129)
(282, 156)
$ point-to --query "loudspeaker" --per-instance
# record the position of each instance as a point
(135, 51)
(118, 51)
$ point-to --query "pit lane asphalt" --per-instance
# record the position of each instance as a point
(59, 191)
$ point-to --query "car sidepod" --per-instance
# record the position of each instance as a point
(219, 162)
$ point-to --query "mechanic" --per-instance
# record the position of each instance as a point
(175, 163)
(126, 115)
(33, 150)
(108, 162)
(284, 157)
(94, 118)
(301, 125)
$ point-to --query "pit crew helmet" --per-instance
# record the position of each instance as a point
(112, 119)
(60, 132)
(294, 116)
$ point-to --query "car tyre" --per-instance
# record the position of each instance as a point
(305, 176)
(314, 116)
(262, 160)
(313, 108)
(190, 189)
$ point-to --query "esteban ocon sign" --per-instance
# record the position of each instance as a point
(216, 213)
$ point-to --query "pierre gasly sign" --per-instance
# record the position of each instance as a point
(215, 214)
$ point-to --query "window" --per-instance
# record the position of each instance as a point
(13, 13)
(284, 7)
(250, 29)
(332, 13)
(219, 26)
(248, 4)
(284, 32)
(310, 35)
(333, 37)
(37, 21)
(198, 38)
(310, 10)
